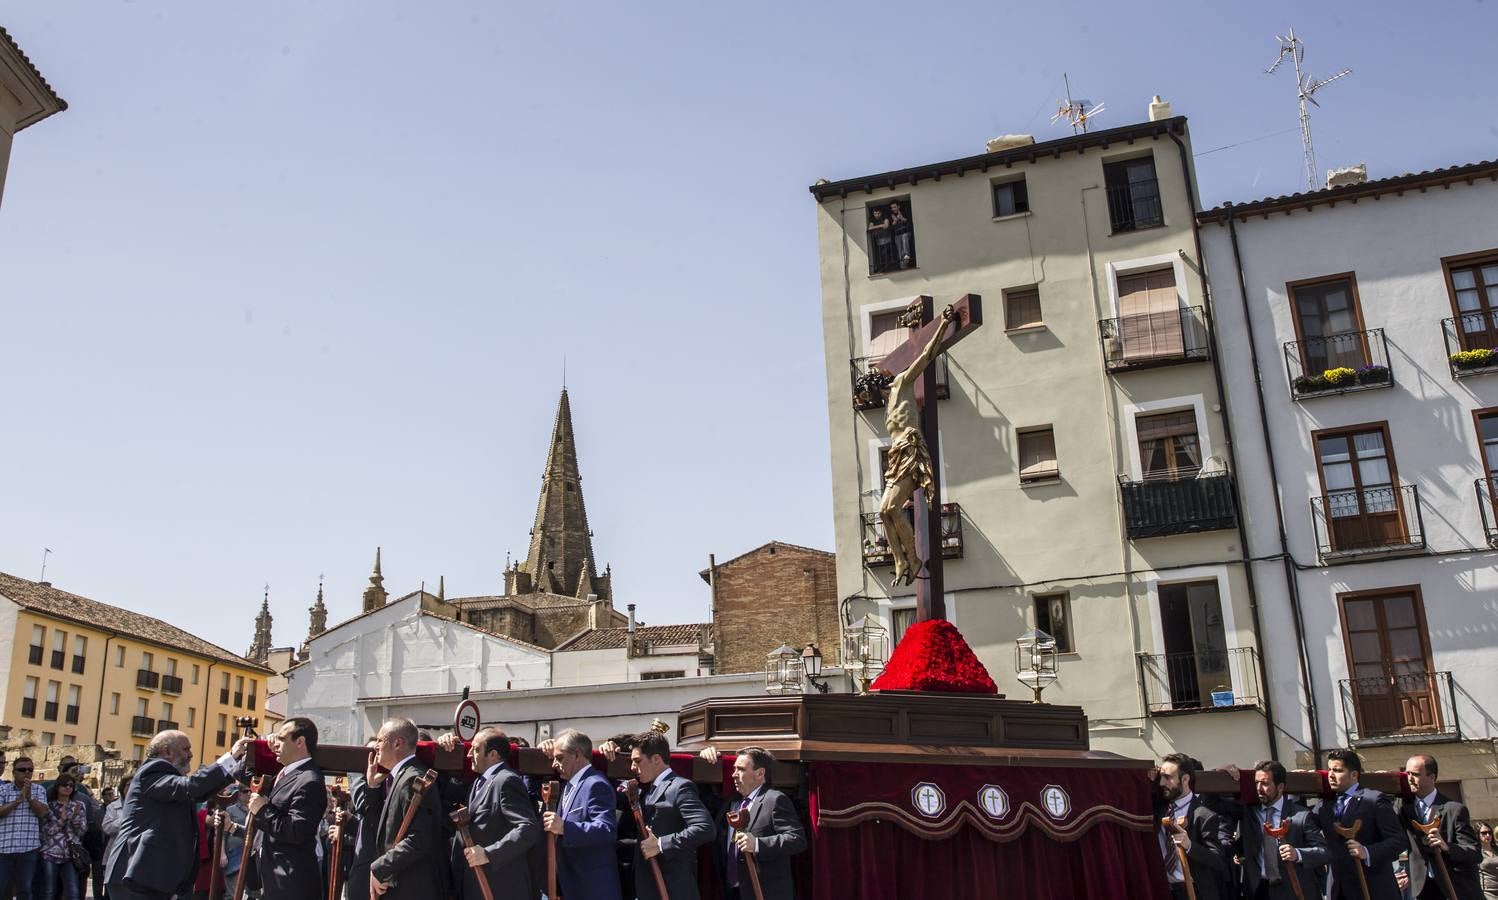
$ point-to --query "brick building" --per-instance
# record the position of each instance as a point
(775, 594)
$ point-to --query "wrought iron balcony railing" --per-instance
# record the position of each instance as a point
(250, 702)
(1160, 507)
(239, 698)
(1391, 709)
(867, 386)
(28, 707)
(166, 725)
(78, 664)
(1135, 205)
(1471, 343)
(1147, 340)
(876, 550)
(171, 684)
(34, 655)
(70, 715)
(1487, 505)
(57, 659)
(1338, 364)
(221, 736)
(145, 678)
(1373, 521)
(49, 711)
(1199, 680)
(142, 726)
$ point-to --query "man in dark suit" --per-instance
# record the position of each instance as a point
(1455, 840)
(366, 800)
(155, 852)
(675, 818)
(504, 826)
(584, 823)
(1269, 863)
(1195, 829)
(411, 868)
(1379, 841)
(773, 833)
(287, 821)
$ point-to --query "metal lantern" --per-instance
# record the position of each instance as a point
(811, 663)
(783, 671)
(865, 648)
(1035, 660)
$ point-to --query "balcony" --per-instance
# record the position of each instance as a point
(1487, 505)
(1158, 507)
(166, 725)
(57, 659)
(34, 655)
(70, 715)
(1471, 339)
(869, 382)
(220, 735)
(1413, 707)
(1135, 205)
(1338, 364)
(250, 702)
(142, 726)
(145, 678)
(49, 711)
(1150, 340)
(1371, 523)
(239, 698)
(876, 550)
(171, 684)
(223, 696)
(78, 664)
(28, 707)
(1200, 681)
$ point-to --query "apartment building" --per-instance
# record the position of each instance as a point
(1087, 484)
(75, 670)
(1366, 405)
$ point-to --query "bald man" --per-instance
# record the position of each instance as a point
(155, 853)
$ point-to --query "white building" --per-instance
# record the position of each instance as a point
(643, 653)
(406, 647)
(1378, 598)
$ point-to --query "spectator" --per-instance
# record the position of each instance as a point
(62, 832)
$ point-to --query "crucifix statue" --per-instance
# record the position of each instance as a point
(910, 419)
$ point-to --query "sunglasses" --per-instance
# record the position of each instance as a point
(20, 771)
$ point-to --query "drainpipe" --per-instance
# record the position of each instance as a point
(1265, 689)
(1292, 582)
(103, 672)
(208, 692)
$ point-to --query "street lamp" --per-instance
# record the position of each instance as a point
(865, 645)
(811, 663)
(1035, 660)
(783, 672)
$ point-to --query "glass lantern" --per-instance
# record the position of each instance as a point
(784, 672)
(865, 648)
(1035, 662)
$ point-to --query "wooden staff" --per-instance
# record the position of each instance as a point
(548, 799)
(259, 786)
(632, 791)
(1447, 887)
(1351, 834)
(462, 818)
(222, 801)
(419, 787)
(1168, 822)
(737, 819)
(340, 820)
(1279, 835)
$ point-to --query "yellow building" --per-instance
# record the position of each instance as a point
(75, 670)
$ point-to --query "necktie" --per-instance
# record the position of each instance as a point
(733, 850)
(1341, 805)
(478, 785)
(1269, 849)
(1424, 809)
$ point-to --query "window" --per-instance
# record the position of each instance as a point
(238, 690)
(166, 711)
(70, 715)
(142, 707)
(114, 704)
(900, 620)
(59, 648)
(70, 739)
(1149, 317)
(171, 667)
(1010, 197)
(1037, 455)
(1329, 325)
(1361, 500)
(28, 700)
(1487, 437)
(1474, 297)
(49, 711)
(80, 652)
(1196, 655)
(891, 236)
(1168, 445)
(1388, 658)
(38, 640)
(886, 333)
(138, 752)
(1022, 308)
(147, 660)
(656, 676)
(119, 657)
(1133, 194)
(195, 673)
(48, 738)
(1053, 616)
(192, 716)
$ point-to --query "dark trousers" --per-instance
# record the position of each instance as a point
(1178, 891)
(18, 871)
(118, 891)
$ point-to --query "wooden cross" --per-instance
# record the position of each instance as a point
(930, 598)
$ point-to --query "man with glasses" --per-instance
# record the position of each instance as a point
(1455, 840)
(23, 805)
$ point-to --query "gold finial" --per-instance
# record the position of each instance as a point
(659, 727)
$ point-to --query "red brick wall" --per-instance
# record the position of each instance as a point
(776, 594)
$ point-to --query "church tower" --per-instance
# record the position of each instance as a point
(316, 625)
(260, 648)
(560, 559)
(375, 595)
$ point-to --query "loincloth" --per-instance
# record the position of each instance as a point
(909, 459)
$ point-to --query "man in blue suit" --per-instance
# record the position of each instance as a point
(155, 853)
(1379, 841)
(584, 823)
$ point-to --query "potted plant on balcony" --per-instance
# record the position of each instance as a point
(1373, 374)
(1468, 360)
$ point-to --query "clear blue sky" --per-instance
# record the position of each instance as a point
(290, 280)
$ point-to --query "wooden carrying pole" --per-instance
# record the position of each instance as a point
(1279, 835)
(632, 791)
(1168, 822)
(1351, 834)
(258, 786)
(419, 787)
(548, 798)
(340, 820)
(222, 801)
(738, 820)
(1447, 888)
(462, 818)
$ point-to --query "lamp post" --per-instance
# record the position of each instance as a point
(811, 664)
(865, 646)
(783, 672)
(1035, 661)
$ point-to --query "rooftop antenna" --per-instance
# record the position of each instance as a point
(1075, 112)
(1305, 88)
(46, 552)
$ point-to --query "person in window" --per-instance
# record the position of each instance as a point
(61, 832)
(881, 243)
(904, 233)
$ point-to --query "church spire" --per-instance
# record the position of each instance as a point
(260, 648)
(560, 559)
(375, 595)
(317, 623)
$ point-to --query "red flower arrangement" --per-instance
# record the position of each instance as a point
(934, 657)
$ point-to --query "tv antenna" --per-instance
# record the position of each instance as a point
(1306, 88)
(1075, 112)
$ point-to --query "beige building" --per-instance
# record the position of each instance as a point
(1087, 487)
(25, 98)
(75, 670)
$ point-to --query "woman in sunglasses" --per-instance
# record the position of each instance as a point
(61, 832)
(1487, 870)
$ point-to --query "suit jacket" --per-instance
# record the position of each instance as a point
(1381, 835)
(505, 824)
(1208, 856)
(587, 868)
(415, 865)
(674, 813)
(366, 804)
(1304, 835)
(777, 828)
(156, 848)
(1461, 859)
(285, 832)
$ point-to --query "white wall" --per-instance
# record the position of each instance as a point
(578, 667)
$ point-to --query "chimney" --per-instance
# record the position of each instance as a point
(1347, 175)
(1008, 141)
(631, 609)
(1159, 109)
